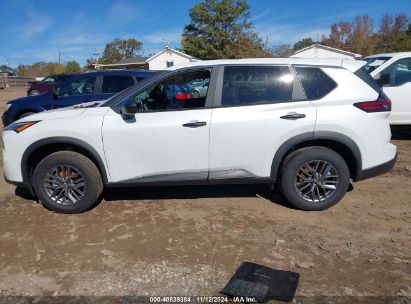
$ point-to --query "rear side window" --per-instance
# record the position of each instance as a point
(114, 84)
(249, 85)
(316, 83)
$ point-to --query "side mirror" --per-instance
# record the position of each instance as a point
(129, 110)
(55, 93)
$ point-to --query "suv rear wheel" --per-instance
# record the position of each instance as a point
(314, 178)
(67, 182)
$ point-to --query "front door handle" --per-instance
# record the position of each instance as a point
(194, 124)
(293, 116)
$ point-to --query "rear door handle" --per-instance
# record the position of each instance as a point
(293, 116)
(194, 124)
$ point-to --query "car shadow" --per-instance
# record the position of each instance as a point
(194, 192)
(401, 132)
(184, 192)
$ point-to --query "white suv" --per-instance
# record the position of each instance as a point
(392, 71)
(308, 125)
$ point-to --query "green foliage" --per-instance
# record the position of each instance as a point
(72, 67)
(119, 49)
(306, 42)
(221, 29)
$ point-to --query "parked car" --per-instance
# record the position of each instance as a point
(49, 82)
(200, 90)
(392, 71)
(308, 125)
(85, 87)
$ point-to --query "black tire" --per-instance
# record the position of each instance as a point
(25, 114)
(76, 162)
(292, 185)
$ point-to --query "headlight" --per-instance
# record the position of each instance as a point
(20, 126)
(8, 105)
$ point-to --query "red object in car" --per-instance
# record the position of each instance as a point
(183, 96)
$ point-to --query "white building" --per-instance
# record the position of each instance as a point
(322, 51)
(165, 58)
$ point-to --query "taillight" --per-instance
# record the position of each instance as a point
(382, 104)
(182, 96)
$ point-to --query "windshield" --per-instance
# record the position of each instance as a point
(374, 62)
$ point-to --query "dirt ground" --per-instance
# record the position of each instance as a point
(188, 241)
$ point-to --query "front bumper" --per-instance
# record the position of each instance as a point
(377, 170)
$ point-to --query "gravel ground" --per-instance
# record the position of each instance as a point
(190, 240)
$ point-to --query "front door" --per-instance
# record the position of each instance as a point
(396, 84)
(75, 91)
(167, 140)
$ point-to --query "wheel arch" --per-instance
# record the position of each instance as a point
(338, 142)
(44, 147)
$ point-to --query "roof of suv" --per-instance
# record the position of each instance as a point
(349, 64)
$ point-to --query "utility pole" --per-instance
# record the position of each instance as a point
(59, 53)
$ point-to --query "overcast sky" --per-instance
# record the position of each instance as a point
(31, 31)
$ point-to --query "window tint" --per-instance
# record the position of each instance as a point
(173, 93)
(114, 84)
(396, 74)
(79, 86)
(316, 83)
(248, 85)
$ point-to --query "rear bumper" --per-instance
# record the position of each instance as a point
(377, 170)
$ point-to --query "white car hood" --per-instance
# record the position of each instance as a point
(67, 112)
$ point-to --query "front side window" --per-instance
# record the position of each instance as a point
(79, 86)
(395, 74)
(114, 84)
(316, 83)
(374, 62)
(250, 85)
(173, 93)
(50, 79)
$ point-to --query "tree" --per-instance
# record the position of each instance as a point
(119, 49)
(306, 42)
(282, 50)
(221, 29)
(72, 67)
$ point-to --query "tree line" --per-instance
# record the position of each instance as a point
(220, 29)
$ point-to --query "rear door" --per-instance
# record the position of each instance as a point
(258, 108)
(396, 84)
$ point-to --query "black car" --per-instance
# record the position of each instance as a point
(85, 87)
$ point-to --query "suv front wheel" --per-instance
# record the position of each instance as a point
(67, 182)
(314, 178)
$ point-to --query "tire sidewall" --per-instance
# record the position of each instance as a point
(296, 160)
(92, 190)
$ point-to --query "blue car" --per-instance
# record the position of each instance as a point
(85, 87)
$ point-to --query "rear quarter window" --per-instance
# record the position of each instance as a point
(315, 82)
